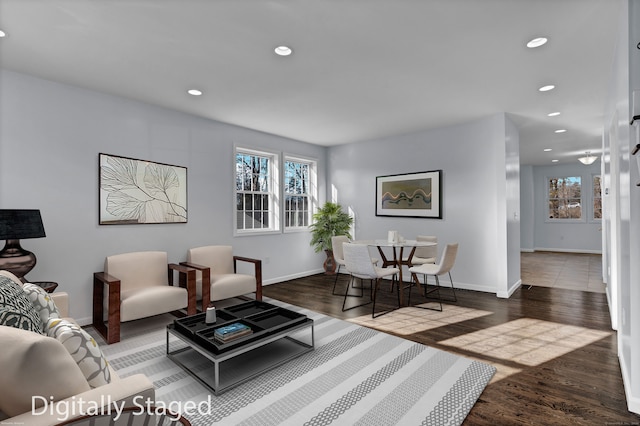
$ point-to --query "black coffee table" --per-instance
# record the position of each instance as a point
(278, 335)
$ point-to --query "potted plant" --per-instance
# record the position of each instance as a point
(330, 220)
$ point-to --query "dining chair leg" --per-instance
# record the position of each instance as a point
(426, 292)
(453, 289)
(346, 294)
(375, 293)
(336, 282)
(410, 287)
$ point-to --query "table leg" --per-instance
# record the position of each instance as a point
(399, 266)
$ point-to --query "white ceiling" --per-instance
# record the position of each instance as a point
(361, 69)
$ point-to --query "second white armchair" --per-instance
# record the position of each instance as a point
(218, 266)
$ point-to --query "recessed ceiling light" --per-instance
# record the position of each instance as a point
(194, 92)
(554, 161)
(547, 149)
(547, 88)
(561, 130)
(553, 114)
(283, 50)
(2, 34)
(536, 42)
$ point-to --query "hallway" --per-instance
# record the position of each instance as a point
(572, 271)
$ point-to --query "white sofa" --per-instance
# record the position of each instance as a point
(35, 367)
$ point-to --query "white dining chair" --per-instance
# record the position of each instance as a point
(337, 243)
(359, 263)
(444, 267)
(338, 254)
(425, 254)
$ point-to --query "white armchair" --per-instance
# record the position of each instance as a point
(139, 285)
(218, 266)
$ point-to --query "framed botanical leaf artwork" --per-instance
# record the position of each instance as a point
(137, 191)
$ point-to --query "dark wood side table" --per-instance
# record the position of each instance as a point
(48, 286)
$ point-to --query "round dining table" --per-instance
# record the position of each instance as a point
(398, 259)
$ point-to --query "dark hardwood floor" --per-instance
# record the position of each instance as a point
(576, 380)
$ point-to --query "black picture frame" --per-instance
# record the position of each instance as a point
(417, 195)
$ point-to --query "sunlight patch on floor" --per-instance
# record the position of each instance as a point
(526, 341)
(411, 320)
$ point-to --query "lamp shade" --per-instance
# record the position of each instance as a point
(20, 224)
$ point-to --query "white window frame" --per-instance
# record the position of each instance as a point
(312, 193)
(273, 191)
(583, 211)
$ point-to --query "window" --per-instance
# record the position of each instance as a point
(564, 198)
(299, 192)
(597, 197)
(256, 191)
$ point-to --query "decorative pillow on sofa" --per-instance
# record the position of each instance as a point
(42, 301)
(16, 310)
(83, 349)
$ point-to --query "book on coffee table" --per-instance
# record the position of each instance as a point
(231, 332)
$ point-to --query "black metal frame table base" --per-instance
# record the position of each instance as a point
(223, 371)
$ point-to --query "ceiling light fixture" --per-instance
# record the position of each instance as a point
(2, 34)
(553, 114)
(547, 149)
(194, 92)
(536, 42)
(588, 159)
(554, 161)
(283, 51)
(547, 88)
(561, 130)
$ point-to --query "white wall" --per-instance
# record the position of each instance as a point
(631, 329)
(622, 204)
(50, 138)
(527, 208)
(513, 204)
(475, 205)
(584, 236)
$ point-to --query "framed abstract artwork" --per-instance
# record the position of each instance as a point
(141, 192)
(410, 195)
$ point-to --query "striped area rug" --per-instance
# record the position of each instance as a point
(355, 376)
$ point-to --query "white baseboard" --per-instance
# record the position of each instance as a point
(507, 294)
(82, 322)
(292, 276)
(633, 401)
(565, 250)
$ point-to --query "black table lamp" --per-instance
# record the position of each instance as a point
(16, 225)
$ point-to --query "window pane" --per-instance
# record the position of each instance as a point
(253, 174)
(239, 220)
(564, 198)
(597, 198)
(297, 187)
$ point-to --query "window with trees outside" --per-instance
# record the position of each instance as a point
(597, 197)
(299, 192)
(256, 191)
(565, 197)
